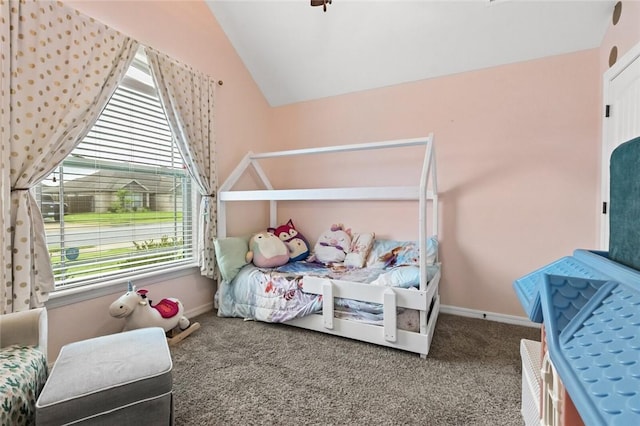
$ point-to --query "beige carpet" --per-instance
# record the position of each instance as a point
(235, 372)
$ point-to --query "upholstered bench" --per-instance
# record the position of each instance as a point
(119, 379)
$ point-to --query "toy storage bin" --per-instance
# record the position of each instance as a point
(531, 363)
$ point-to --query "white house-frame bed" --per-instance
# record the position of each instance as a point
(425, 299)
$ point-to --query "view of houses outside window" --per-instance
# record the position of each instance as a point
(121, 202)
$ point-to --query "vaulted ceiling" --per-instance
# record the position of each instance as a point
(296, 52)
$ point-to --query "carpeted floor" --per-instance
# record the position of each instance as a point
(235, 372)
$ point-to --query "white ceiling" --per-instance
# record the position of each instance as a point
(296, 52)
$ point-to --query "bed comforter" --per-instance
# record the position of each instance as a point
(277, 295)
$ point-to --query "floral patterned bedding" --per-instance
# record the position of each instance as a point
(277, 295)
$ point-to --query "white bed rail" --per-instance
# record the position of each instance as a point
(390, 298)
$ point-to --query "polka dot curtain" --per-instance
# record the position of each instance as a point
(187, 99)
(59, 69)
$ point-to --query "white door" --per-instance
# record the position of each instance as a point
(621, 95)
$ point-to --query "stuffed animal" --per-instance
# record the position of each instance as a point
(267, 251)
(333, 245)
(296, 243)
(139, 312)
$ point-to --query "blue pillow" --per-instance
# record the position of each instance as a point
(392, 253)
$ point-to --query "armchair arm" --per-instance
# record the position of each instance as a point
(25, 328)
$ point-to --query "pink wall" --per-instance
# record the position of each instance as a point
(517, 150)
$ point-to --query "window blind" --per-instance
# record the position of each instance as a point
(121, 203)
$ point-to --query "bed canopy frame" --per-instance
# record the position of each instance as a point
(426, 299)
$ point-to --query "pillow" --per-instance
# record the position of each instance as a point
(231, 255)
(432, 250)
(390, 253)
(360, 247)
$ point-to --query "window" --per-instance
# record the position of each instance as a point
(121, 203)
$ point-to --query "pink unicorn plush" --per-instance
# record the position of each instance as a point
(333, 245)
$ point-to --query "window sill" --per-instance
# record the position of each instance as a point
(70, 296)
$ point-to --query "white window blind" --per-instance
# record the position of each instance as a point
(121, 202)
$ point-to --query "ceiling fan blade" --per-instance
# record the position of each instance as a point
(322, 3)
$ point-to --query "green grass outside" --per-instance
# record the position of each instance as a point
(127, 218)
(77, 268)
(87, 253)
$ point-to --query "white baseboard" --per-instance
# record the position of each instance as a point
(491, 316)
(446, 309)
(199, 310)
